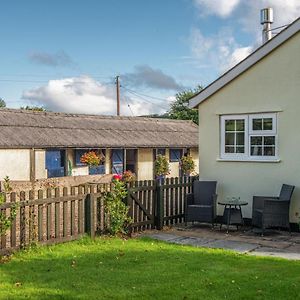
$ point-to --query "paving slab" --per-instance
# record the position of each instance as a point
(162, 236)
(198, 242)
(275, 252)
(276, 244)
(232, 245)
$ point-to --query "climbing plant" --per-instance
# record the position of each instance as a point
(6, 221)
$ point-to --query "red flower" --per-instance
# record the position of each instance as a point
(117, 177)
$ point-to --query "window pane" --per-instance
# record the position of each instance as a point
(268, 124)
(229, 138)
(257, 124)
(240, 139)
(229, 125)
(240, 125)
(256, 151)
(269, 151)
(229, 149)
(240, 149)
(269, 140)
(256, 140)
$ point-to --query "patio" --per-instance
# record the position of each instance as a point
(274, 243)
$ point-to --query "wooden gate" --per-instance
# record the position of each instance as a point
(141, 200)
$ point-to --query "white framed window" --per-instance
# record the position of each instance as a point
(249, 137)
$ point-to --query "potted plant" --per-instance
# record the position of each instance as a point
(92, 159)
(187, 165)
(161, 167)
(128, 177)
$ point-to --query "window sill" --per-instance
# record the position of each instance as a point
(250, 160)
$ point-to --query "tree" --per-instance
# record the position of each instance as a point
(34, 108)
(179, 108)
(2, 103)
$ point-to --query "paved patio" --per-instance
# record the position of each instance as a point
(274, 243)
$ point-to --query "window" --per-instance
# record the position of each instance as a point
(262, 134)
(96, 170)
(249, 137)
(55, 163)
(78, 154)
(175, 155)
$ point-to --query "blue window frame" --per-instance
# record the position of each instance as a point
(175, 155)
(55, 163)
(161, 151)
(117, 159)
(78, 154)
(97, 170)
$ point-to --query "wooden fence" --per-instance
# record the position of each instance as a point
(64, 214)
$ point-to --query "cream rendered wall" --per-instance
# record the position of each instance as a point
(40, 164)
(15, 163)
(273, 84)
(108, 161)
(174, 166)
(195, 155)
(145, 164)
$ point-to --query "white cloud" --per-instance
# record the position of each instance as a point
(247, 12)
(220, 51)
(85, 95)
(221, 8)
(238, 54)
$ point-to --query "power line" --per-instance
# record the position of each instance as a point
(152, 97)
(163, 107)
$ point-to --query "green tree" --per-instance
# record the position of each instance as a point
(34, 108)
(179, 108)
(2, 103)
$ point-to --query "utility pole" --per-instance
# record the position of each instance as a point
(118, 94)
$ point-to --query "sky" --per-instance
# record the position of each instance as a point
(65, 54)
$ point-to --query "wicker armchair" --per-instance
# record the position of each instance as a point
(270, 212)
(201, 204)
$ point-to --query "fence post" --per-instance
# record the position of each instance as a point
(159, 205)
(89, 210)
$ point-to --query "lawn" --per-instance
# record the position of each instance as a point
(111, 268)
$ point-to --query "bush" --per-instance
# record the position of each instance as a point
(116, 210)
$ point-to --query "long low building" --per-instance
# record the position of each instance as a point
(41, 145)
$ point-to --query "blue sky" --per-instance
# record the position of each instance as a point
(64, 54)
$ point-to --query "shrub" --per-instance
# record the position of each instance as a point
(116, 210)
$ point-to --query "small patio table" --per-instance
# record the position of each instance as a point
(233, 212)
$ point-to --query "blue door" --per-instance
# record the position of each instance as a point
(117, 160)
(55, 163)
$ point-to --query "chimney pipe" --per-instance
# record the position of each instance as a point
(266, 19)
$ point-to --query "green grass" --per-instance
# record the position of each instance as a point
(144, 269)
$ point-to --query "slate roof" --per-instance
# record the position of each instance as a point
(28, 129)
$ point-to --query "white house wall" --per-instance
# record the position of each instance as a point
(40, 164)
(272, 85)
(15, 163)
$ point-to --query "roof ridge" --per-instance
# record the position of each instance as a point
(65, 114)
